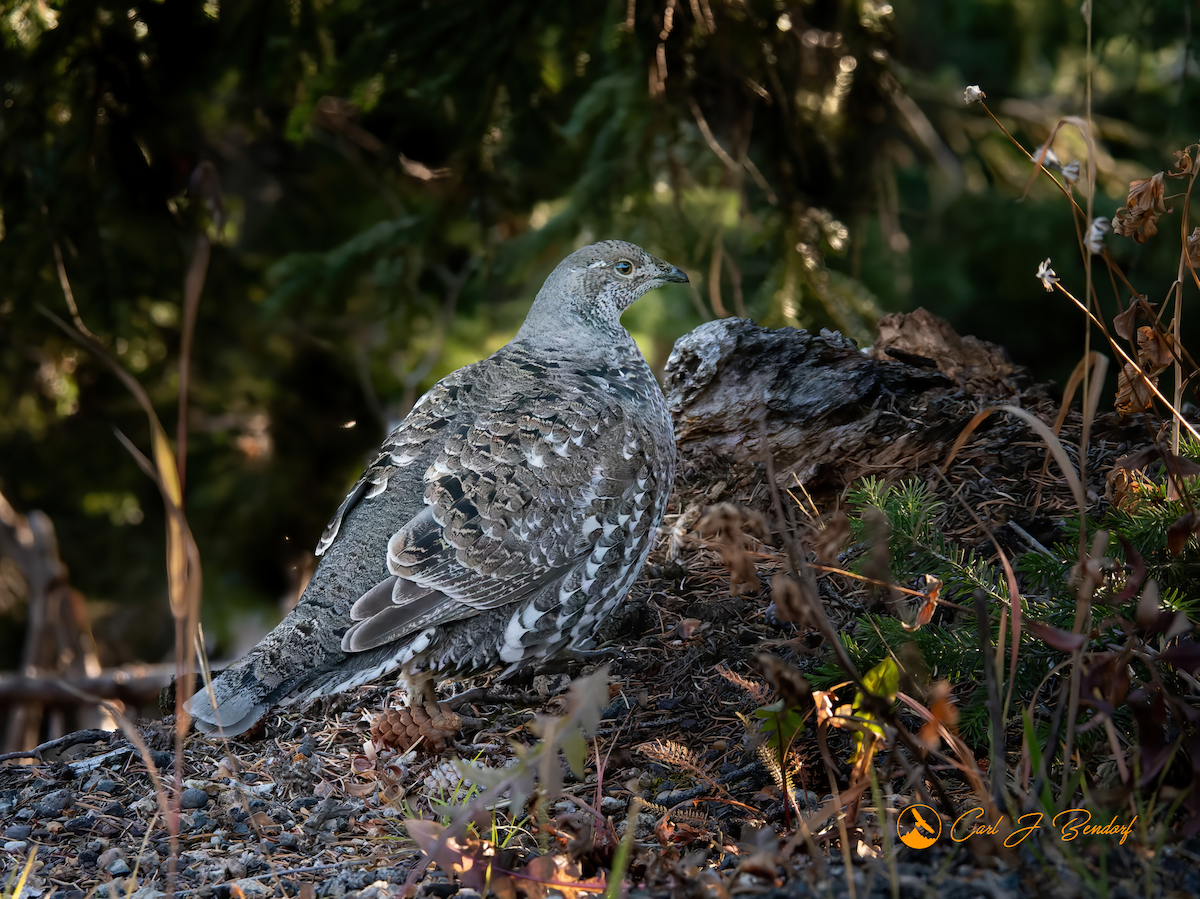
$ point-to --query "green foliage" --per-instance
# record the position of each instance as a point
(1144, 519)
(882, 682)
(780, 726)
(950, 648)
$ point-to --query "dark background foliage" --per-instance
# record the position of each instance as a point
(385, 185)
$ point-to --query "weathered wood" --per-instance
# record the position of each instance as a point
(831, 412)
(58, 637)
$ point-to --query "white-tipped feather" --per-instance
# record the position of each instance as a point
(482, 534)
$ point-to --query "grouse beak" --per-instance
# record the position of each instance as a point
(676, 275)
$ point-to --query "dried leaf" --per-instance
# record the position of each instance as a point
(878, 563)
(1133, 390)
(468, 857)
(1180, 531)
(833, 538)
(1184, 655)
(735, 530)
(788, 682)
(823, 700)
(791, 603)
(1153, 350)
(1104, 686)
(1139, 217)
(1123, 322)
(944, 711)
(1147, 193)
(551, 871)
(1057, 638)
(1150, 713)
(1147, 607)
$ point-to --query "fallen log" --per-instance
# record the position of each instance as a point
(831, 413)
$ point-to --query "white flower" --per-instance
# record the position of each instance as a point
(1047, 276)
(1049, 158)
(1070, 172)
(1095, 235)
(973, 94)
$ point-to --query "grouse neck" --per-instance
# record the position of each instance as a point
(555, 324)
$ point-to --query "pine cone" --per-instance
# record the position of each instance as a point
(401, 728)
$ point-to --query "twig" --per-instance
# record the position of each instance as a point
(64, 742)
(996, 768)
(66, 289)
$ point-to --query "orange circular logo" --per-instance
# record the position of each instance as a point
(918, 826)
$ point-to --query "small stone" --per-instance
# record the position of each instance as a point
(808, 801)
(106, 785)
(118, 867)
(17, 831)
(290, 840)
(193, 799)
(252, 888)
(162, 760)
(53, 803)
(619, 707)
(15, 846)
(547, 685)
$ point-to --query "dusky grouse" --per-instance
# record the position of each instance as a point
(501, 520)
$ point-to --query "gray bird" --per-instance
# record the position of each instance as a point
(502, 519)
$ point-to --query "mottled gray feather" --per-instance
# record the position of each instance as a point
(505, 515)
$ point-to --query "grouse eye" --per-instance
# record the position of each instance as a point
(624, 267)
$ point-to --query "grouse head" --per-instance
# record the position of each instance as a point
(595, 284)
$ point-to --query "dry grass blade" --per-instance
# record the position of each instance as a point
(193, 286)
(1052, 441)
(1092, 367)
(1084, 130)
(183, 555)
(133, 736)
(15, 890)
(965, 763)
(166, 475)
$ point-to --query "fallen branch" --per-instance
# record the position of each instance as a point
(136, 683)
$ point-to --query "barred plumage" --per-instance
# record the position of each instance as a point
(501, 520)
